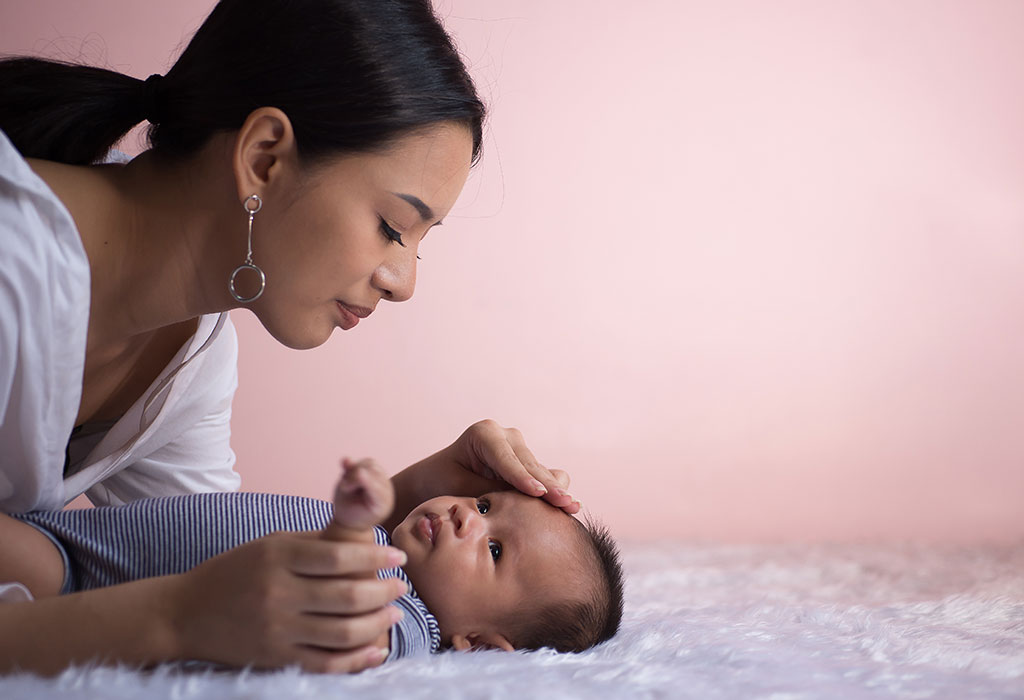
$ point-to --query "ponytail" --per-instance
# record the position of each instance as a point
(64, 112)
(352, 75)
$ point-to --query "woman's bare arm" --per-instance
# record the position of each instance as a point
(279, 600)
(104, 625)
(28, 557)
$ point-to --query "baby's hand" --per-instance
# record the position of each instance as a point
(363, 498)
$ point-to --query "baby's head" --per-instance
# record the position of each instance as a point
(509, 571)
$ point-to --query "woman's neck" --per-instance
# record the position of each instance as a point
(150, 231)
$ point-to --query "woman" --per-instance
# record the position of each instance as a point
(299, 153)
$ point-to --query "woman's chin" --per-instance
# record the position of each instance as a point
(299, 338)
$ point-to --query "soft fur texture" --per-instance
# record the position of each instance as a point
(702, 621)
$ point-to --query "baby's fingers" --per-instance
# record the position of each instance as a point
(364, 495)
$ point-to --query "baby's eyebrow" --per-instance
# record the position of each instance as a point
(512, 543)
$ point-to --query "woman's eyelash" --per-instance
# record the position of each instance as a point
(390, 233)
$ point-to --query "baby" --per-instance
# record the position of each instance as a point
(502, 570)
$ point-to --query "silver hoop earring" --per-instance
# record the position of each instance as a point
(257, 204)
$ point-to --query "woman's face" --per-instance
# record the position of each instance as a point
(328, 247)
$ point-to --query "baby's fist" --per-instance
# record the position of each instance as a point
(364, 495)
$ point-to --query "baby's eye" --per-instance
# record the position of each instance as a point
(495, 548)
(483, 505)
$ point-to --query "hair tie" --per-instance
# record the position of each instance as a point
(150, 98)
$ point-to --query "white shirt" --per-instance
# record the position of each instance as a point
(173, 440)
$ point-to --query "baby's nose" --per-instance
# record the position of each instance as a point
(467, 521)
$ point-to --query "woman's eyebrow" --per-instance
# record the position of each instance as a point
(425, 212)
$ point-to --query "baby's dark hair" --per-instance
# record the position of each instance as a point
(576, 626)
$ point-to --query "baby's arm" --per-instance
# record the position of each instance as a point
(363, 498)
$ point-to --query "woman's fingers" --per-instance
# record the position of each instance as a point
(270, 601)
(316, 557)
(556, 493)
(346, 632)
(317, 660)
(349, 596)
(562, 477)
(502, 452)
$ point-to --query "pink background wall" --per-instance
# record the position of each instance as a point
(749, 270)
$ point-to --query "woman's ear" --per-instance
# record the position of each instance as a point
(264, 146)
(476, 641)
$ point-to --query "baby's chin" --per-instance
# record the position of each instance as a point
(404, 537)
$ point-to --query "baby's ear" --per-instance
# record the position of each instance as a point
(475, 641)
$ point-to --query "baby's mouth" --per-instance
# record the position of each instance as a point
(429, 525)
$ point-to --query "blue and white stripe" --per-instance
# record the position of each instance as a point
(161, 536)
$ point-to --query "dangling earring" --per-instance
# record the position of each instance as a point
(257, 204)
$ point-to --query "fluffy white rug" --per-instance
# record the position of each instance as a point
(702, 621)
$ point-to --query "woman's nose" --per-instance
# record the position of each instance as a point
(396, 276)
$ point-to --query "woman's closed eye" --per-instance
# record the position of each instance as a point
(390, 233)
(393, 235)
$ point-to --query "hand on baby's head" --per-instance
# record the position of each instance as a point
(363, 497)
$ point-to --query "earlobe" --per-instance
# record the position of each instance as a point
(263, 145)
(476, 641)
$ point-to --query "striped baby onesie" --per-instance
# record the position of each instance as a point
(160, 536)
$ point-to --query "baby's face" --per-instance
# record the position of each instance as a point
(475, 560)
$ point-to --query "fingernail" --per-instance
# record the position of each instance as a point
(563, 492)
(539, 486)
(401, 587)
(376, 655)
(395, 614)
(397, 557)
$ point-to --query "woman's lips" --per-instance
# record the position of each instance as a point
(350, 314)
(348, 319)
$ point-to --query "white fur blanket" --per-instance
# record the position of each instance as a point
(702, 621)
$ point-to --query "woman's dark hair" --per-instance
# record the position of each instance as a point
(352, 76)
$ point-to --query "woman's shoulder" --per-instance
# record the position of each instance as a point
(44, 311)
(34, 223)
(17, 175)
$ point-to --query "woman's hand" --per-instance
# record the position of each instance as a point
(486, 457)
(500, 454)
(280, 600)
